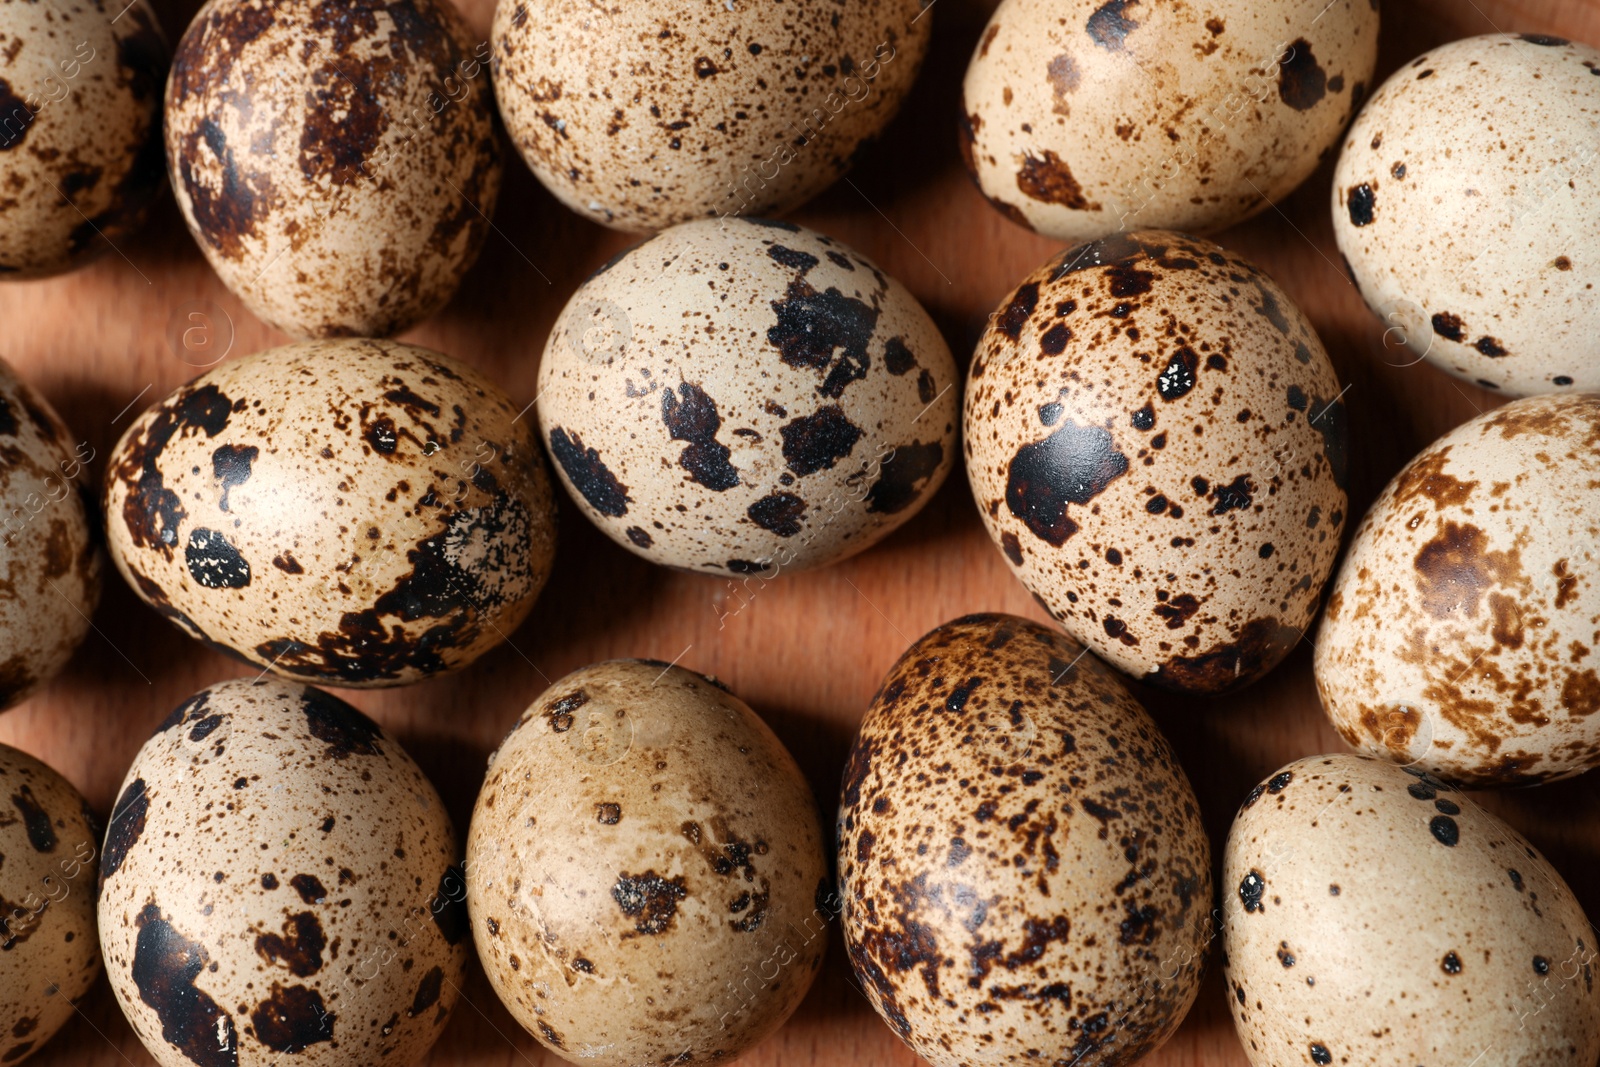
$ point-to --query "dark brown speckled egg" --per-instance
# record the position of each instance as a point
(645, 870)
(1021, 857)
(336, 162)
(80, 129)
(279, 884)
(1156, 440)
(361, 513)
(1374, 916)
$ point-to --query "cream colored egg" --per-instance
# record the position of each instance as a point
(645, 870)
(364, 513)
(1024, 872)
(1081, 117)
(80, 129)
(1465, 202)
(1374, 916)
(49, 554)
(280, 880)
(640, 116)
(336, 162)
(1460, 635)
(1156, 440)
(49, 950)
(748, 398)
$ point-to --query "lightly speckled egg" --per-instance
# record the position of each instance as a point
(279, 879)
(336, 162)
(1021, 859)
(1467, 205)
(1080, 117)
(49, 950)
(1156, 439)
(747, 397)
(1460, 633)
(80, 129)
(640, 116)
(49, 551)
(645, 872)
(364, 513)
(1374, 916)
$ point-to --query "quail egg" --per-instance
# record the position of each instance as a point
(747, 397)
(1460, 634)
(80, 129)
(645, 871)
(1156, 440)
(279, 879)
(1024, 873)
(49, 950)
(1080, 117)
(336, 162)
(1373, 915)
(1467, 204)
(49, 553)
(364, 513)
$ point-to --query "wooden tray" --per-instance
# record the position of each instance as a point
(808, 652)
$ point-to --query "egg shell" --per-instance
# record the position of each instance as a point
(49, 949)
(645, 870)
(80, 129)
(1374, 916)
(747, 398)
(1460, 633)
(364, 513)
(1465, 203)
(336, 163)
(280, 879)
(1080, 117)
(49, 553)
(1021, 857)
(1156, 439)
(640, 116)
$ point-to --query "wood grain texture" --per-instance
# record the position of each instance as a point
(807, 651)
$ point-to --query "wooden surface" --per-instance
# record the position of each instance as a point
(809, 650)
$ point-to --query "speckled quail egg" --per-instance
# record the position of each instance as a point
(639, 116)
(1460, 633)
(747, 397)
(1080, 117)
(1155, 437)
(49, 553)
(1024, 874)
(80, 129)
(645, 872)
(1467, 204)
(279, 879)
(336, 162)
(1374, 916)
(49, 951)
(364, 513)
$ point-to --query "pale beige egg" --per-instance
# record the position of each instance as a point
(1465, 202)
(640, 116)
(336, 162)
(1083, 117)
(80, 129)
(49, 948)
(1460, 635)
(1156, 440)
(361, 513)
(1021, 858)
(645, 871)
(50, 556)
(747, 397)
(280, 883)
(1374, 916)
